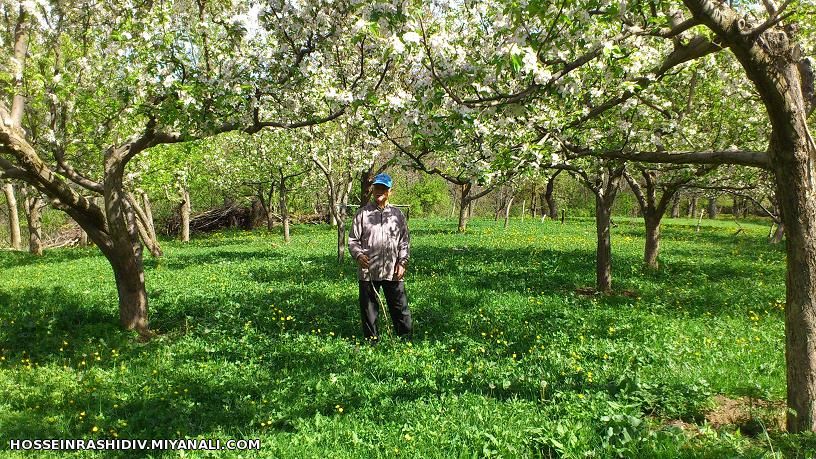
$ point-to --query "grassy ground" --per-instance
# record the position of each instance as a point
(260, 340)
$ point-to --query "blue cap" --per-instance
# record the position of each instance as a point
(382, 179)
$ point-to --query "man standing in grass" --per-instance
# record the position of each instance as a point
(379, 242)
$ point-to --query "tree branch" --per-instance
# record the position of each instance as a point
(67, 170)
(742, 158)
(636, 189)
(697, 47)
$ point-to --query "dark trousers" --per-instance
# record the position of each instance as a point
(397, 303)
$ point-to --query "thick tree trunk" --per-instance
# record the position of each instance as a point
(14, 217)
(692, 210)
(34, 206)
(791, 156)
(652, 248)
(603, 260)
(464, 202)
(130, 285)
(785, 83)
(124, 247)
(186, 209)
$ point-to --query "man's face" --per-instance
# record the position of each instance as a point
(380, 193)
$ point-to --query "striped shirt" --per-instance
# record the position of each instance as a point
(382, 235)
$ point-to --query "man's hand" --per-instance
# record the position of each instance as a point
(399, 271)
(362, 261)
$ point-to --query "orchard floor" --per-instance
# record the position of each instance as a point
(258, 339)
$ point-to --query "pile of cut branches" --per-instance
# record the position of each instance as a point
(66, 236)
(231, 216)
(314, 219)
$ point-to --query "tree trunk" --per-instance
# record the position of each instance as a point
(186, 208)
(270, 219)
(130, 285)
(366, 179)
(692, 210)
(14, 216)
(499, 204)
(785, 84)
(779, 234)
(341, 239)
(652, 248)
(533, 203)
(83, 238)
(259, 213)
(713, 210)
(608, 184)
(675, 210)
(791, 156)
(523, 205)
(603, 260)
(283, 209)
(507, 210)
(548, 196)
(123, 249)
(148, 211)
(464, 201)
(145, 225)
(34, 206)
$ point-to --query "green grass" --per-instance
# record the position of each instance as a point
(262, 340)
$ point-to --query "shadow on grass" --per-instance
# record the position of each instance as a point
(45, 318)
(12, 259)
(446, 287)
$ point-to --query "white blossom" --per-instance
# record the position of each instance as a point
(411, 37)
